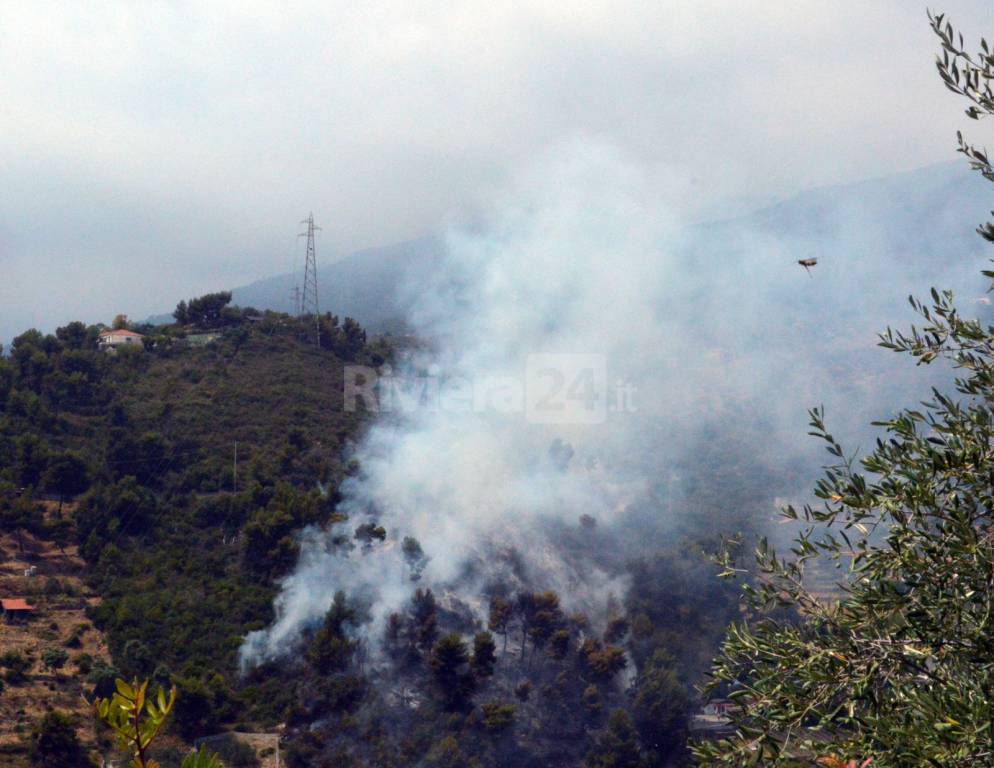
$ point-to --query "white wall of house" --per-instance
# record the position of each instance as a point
(118, 340)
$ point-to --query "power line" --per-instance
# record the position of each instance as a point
(309, 294)
(295, 278)
(295, 293)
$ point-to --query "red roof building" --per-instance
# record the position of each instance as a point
(118, 337)
(119, 332)
(15, 609)
(16, 604)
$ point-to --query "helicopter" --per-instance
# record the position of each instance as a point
(807, 264)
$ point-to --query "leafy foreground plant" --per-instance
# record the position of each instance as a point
(901, 671)
(137, 717)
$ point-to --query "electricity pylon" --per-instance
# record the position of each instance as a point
(295, 295)
(309, 294)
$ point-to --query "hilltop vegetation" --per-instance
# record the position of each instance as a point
(158, 496)
(183, 552)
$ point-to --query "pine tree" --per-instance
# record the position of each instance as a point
(618, 746)
(54, 744)
(500, 617)
(484, 654)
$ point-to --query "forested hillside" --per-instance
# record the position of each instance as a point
(197, 473)
(511, 465)
(194, 476)
(185, 469)
(189, 470)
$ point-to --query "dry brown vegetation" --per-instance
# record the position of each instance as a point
(61, 598)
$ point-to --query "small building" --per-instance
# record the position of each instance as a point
(202, 339)
(16, 609)
(712, 722)
(111, 338)
(718, 707)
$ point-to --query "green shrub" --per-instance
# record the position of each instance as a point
(54, 658)
(17, 667)
(54, 744)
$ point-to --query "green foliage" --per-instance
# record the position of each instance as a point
(901, 671)
(77, 336)
(541, 616)
(54, 658)
(269, 546)
(61, 531)
(181, 313)
(67, 474)
(204, 312)
(618, 746)
(367, 533)
(16, 667)
(146, 442)
(137, 716)
(346, 340)
(205, 704)
(54, 744)
(136, 659)
(968, 74)
(175, 542)
(591, 700)
(484, 654)
(448, 663)
(232, 752)
(602, 661)
(500, 615)
(109, 511)
(18, 513)
(498, 717)
(75, 639)
(424, 616)
(204, 758)
(462, 686)
(659, 709)
(102, 677)
(332, 648)
(447, 754)
(676, 604)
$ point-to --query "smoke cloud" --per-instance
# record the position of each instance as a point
(709, 337)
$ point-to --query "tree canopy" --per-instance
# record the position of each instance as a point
(205, 311)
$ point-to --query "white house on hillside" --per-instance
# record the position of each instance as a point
(118, 337)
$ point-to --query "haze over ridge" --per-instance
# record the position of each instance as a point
(167, 152)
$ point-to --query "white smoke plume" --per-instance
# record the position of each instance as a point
(577, 258)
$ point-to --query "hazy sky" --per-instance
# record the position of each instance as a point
(151, 151)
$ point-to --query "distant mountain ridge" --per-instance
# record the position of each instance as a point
(364, 285)
(920, 222)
